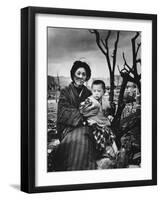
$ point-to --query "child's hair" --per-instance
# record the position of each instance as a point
(99, 82)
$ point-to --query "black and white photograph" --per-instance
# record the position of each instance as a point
(89, 90)
(93, 99)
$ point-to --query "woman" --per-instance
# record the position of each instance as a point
(76, 150)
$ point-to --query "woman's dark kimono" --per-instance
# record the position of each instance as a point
(76, 150)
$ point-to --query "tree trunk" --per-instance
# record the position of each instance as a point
(111, 96)
(139, 86)
(121, 104)
(116, 121)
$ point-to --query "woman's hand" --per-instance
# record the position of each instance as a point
(89, 111)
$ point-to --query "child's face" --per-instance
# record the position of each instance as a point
(97, 91)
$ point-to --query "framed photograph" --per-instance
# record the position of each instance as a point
(88, 99)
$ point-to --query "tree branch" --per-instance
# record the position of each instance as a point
(125, 63)
(136, 36)
(98, 40)
(103, 43)
(139, 44)
(107, 54)
(134, 52)
(107, 38)
(118, 68)
(131, 79)
(115, 50)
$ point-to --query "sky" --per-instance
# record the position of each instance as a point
(66, 45)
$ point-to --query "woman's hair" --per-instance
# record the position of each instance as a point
(99, 82)
(79, 64)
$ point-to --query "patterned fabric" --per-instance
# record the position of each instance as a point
(103, 137)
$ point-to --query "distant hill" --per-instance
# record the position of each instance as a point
(54, 81)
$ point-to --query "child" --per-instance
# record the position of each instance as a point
(102, 120)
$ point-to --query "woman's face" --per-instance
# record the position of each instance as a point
(80, 76)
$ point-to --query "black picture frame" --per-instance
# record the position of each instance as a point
(28, 91)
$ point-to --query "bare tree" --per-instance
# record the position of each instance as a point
(128, 74)
(103, 45)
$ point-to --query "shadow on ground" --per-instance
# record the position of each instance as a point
(15, 186)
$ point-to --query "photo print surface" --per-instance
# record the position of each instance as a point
(93, 99)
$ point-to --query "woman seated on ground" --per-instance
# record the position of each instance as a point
(76, 150)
